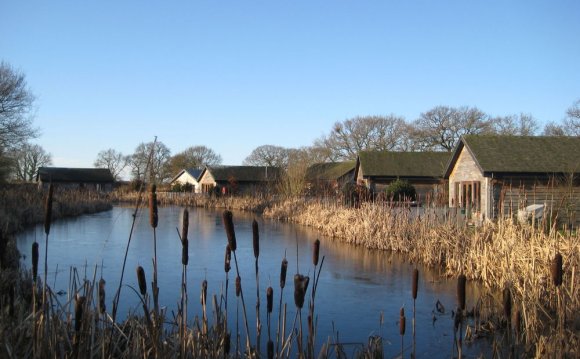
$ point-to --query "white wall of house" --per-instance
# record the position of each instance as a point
(185, 178)
(466, 174)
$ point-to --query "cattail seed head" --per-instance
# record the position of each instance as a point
(270, 349)
(402, 321)
(48, 210)
(461, 291)
(457, 319)
(102, 304)
(142, 281)
(557, 271)
(230, 232)
(283, 270)
(79, 303)
(203, 292)
(507, 303)
(153, 216)
(517, 322)
(238, 286)
(269, 299)
(256, 239)
(300, 287)
(315, 252)
(227, 339)
(34, 260)
(185, 251)
(228, 259)
(415, 282)
(184, 225)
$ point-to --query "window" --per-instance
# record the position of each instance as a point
(468, 194)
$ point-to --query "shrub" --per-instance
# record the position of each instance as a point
(401, 190)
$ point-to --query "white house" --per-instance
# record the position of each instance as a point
(188, 176)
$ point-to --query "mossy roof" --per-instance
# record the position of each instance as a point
(245, 173)
(74, 175)
(403, 164)
(521, 154)
(329, 171)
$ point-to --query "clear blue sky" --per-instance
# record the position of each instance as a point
(234, 75)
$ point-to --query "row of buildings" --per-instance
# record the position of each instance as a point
(484, 175)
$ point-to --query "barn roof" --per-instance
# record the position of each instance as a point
(521, 154)
(328, 171)
(245, 173)
(80, 175)
(403, 164)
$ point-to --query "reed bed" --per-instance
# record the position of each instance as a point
(250, 203)
(502, 254)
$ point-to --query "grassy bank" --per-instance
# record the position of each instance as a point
(502, 256)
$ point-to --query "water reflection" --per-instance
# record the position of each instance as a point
(356, 285)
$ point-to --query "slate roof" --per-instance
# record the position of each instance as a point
(193, 172)
(403, 164)
(74, 175)
(245, 173)
(521, 154)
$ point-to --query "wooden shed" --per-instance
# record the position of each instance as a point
(239, 179)
(99, 179)
(424, 170)
(491, 176)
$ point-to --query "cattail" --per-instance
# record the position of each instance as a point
(402, 321)
(153, 217)
(269, 299)
(461, 291)
(270, 349)
(203, 292)
(457, 319)
(141, 280)
(315, 252)
(227, 339)
(48, 210)
(79, 303)
(238, 286)
(507, 303)
(283, 271)
(102, 305)
(557, 271)
(34, 260)
(256, 239)
(415, 282)
(228, 259)
(185, 225)
(517, 322)
(184, 251)
(300, 287)
(229, 225)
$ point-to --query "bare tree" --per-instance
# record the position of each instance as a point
(115, 161)
(16, 102)
(268, 155)
(347, 138)
(15, 108)
(157, 172)
(518, 125)
(27, 159)
(193, 157)
(441, 127)
(572, 121)
(553, 129)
